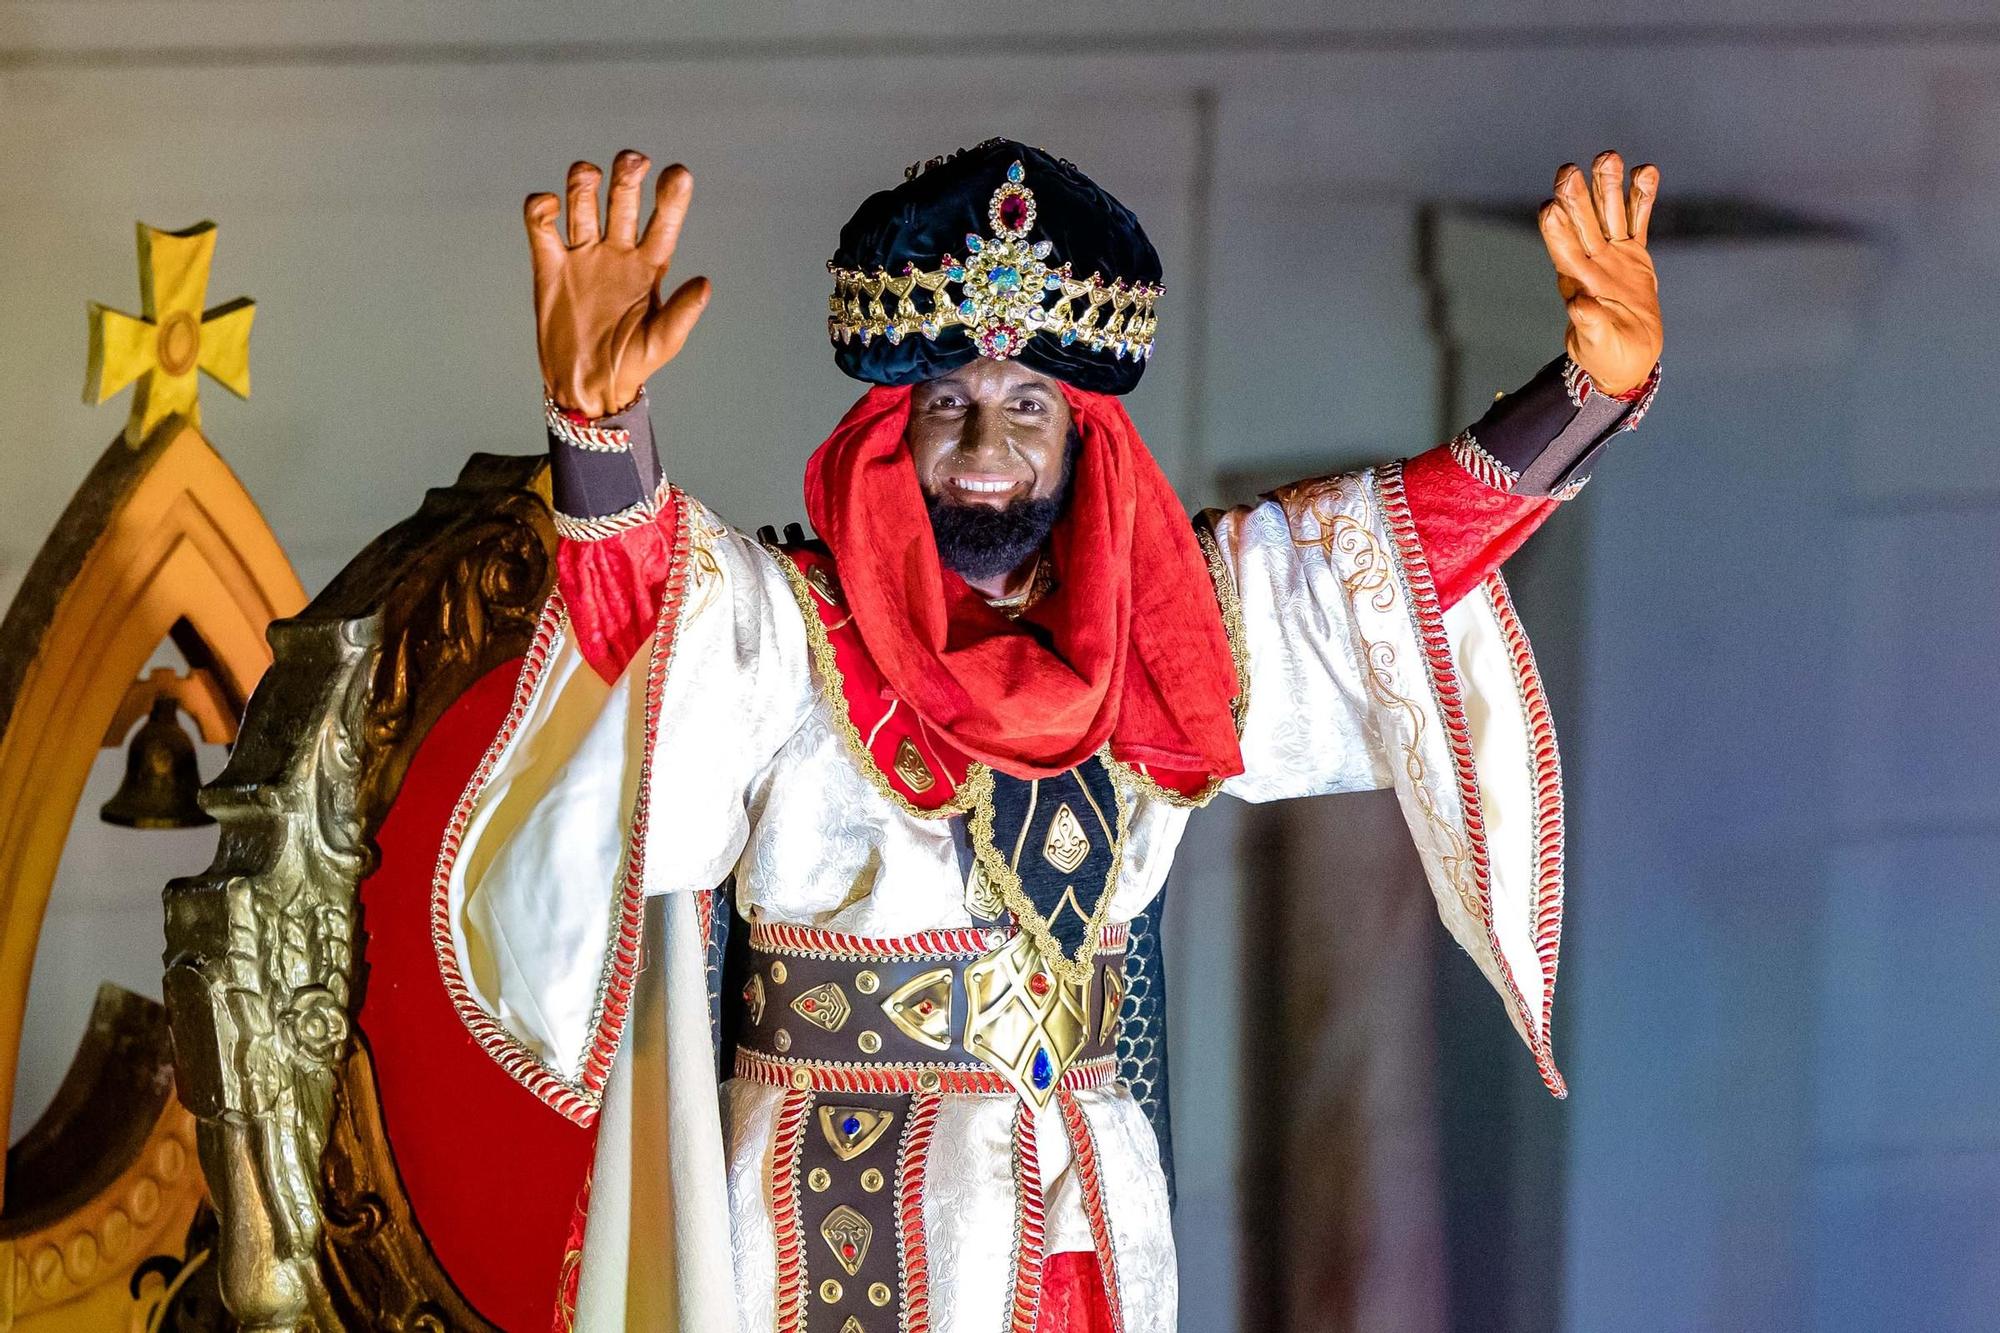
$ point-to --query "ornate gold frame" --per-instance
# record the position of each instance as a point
(263, 947)
(160, 541)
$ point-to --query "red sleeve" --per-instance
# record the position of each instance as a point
(1467, 527)
(611, 589)
(1475, 499)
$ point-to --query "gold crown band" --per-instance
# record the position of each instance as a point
(1007, 294)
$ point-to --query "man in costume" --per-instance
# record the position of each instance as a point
(944, 752)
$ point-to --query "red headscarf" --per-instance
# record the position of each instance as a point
(1128, 646)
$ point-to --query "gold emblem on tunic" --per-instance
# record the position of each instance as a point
(921, 1008)
(825, 1005)
(911, 768)
(824, 583)
(983, 895)
(753, 1000)
(847, 1234)
(852, 1130)
(1065, 847)
(1024, 1020)
(1114, 999)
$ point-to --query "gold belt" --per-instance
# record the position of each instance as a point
(970, 1010)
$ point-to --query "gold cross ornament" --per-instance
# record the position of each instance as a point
(164, 349)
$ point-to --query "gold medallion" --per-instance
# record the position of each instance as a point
(911, 768)
(921, 1008)
(847, 1234)
(1114, 999)
(1024, 1020)
(852, 1130)
(825, 1005)
(1065, 847)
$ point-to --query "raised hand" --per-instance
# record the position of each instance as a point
(601, 327)
(1596, 235)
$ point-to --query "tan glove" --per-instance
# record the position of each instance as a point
(600, 326)
(1597, 238)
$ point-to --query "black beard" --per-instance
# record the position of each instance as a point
(980, 542)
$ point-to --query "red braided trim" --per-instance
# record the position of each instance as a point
(1458, 735)
(576, 429)
(791, 1128)
(912, 1166)
(807, 942)
(1484, 467)
(1549, 835)
(782, 1072)
(966, 942)
(1091, 1178)
(1029, 1222)
(566, 1098)
(574, 1099)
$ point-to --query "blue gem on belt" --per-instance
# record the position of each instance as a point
(1044, 1070)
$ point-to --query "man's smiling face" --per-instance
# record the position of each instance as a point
(991, 443)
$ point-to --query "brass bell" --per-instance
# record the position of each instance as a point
(161, 777)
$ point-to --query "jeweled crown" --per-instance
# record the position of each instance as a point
(1006, 292)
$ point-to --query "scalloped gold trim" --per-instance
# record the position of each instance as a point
(1075, 971)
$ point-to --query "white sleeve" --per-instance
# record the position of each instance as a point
(1357, 678)
(1307, 727)
(595, 795)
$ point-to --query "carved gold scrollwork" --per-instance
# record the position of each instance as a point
(314, 1230)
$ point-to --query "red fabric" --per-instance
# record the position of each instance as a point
(491, 1172)
(570, 1280)
(1073, 1295)
(1467, 528)
(1128, 647)
(611, 589)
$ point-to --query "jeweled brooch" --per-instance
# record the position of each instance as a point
(1006, 293)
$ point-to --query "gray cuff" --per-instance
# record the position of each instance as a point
(1544, 438)
(599, 470)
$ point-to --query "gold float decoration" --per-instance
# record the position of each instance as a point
(160, 542)
(262, 947)
(107, 1186)
(163, 351)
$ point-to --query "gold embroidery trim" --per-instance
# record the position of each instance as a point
(1073, 970)
(1379, 662)
(827, 671)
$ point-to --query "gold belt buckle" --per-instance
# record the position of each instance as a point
(1023, 1019)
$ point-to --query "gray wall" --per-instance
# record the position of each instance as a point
(1821, 1030)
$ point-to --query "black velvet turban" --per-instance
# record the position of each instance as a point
(1000, 251)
